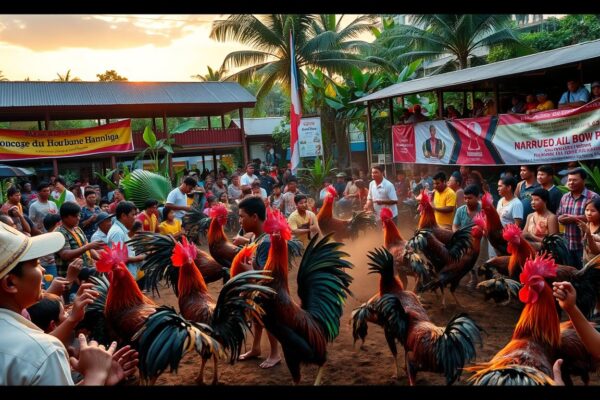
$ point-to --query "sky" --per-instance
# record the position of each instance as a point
(139, 47)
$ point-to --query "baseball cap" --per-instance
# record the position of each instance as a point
(103, 216)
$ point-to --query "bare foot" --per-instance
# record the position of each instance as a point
(270, 362)
(249, 355)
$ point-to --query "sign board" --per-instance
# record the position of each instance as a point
(309, 137)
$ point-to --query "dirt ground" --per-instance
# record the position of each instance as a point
(347, 364)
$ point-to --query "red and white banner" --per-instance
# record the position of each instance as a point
(513, 139)
(295, 109)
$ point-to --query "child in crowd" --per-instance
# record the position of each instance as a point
(170, 224)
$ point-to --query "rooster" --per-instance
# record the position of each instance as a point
(304, 329)
(493, 225)
(586, 280)
(538, 339)
(160, 335)
(427, 347)
(342, 229)
(427, 219)
(157, 264)
(453, 272)
(405, 262)
(219, 246)
(229, 317)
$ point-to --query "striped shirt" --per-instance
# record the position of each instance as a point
(574, 206)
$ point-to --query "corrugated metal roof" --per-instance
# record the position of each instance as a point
(259, 126)
(514, 66)
(40, 94)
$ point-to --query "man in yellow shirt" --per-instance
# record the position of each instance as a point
(444, 201)
(303, 222)
(544, 103)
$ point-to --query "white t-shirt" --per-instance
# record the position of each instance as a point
(510, 211)
(39, 210)
(28, 356)
(384, 191)
(247, 180)
(178, 198)
(68, 197)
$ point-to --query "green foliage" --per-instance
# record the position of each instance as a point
(314, 177)
(281, 134)
(110, 76)
(213, 75)
(593, 179)
(70, 176)
(566, 31)
(142, 185)
(107, 178)
(61, 199)
(4, 185)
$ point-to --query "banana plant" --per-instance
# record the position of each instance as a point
(593, 179)
(61, 199)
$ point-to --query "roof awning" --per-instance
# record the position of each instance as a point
(515, 66)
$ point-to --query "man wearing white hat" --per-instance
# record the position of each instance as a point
(28, 356)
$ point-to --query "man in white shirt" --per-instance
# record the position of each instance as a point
(60, 187)
(382, 193)
(119, 233)
(28, 356)
(104, 221)
(248, 177)
(42, 207)
(177, 198)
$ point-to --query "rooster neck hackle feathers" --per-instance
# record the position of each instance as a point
(277, 262)
(243, 255)
(190, 279)
(427, 219)
(391, 234)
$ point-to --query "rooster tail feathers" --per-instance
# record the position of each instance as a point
(166, 337)
(94, 320)
(323, 285)
(362, 221)
(460, 242)
(456, 346)
(393, 317)
(382, 262)
(419, 265)
(360, 316)
(195, 223)
(557, 246)
(236, 304)
(510, 375)
(500, 289)
(157, 265)
(295, 248)
(586, 282)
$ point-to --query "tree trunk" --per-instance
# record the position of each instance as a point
(341, 138)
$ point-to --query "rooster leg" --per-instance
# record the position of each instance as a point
(505, 303)
(319, 375)
(397, 365)
(416, 283)
(409, 370)
(200, 377)
(216, 370)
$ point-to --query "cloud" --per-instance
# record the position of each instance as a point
(54, 32)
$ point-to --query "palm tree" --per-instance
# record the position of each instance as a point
(67, 77)
(319, 40)
(213, 75)
(457, 35)
(2, 77)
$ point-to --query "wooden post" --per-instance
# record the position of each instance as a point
(464, 110)
(391, 105)
(154, 125)
(169, 158)
(497, 95)
(349, 146)
(39, 125)
(203, 164)
(215, 167)
(209, 125)
(368, 141)
(244, 144)
(54, 160)
(223, 121)
(113, 162)
(440, 96)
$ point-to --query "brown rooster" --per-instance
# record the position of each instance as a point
(538, 339)
(229, 317)
(493, 229)
(157, 266)
(342, 229)
(405, 263)
(304, 330)
(453, 272)
(219, 246)
(586, 280)
(427, 347)
(160, 335)
(427, 220)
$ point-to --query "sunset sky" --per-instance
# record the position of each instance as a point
(139, 47)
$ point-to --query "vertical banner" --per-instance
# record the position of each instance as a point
(434, 142)
(309, 137)
(403, 139)
(475, 138)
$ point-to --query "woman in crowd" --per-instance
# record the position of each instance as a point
(170, 225)
(541, 222)
(591, 230)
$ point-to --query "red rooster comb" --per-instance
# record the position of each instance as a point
(276, 223)
(183, 253)
(479, 221)
(533, 275)
(331, 193)
(218, 211)
(487, 200)
(512, 234)
(111, 257)
(386, 214)
(425, 197)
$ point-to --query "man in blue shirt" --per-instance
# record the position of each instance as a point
(576, 96)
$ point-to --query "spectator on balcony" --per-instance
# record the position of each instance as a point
(452, 113)
(490, 107)
(417, 115)
(478, 108)
(531, 103)
(595, 91)
(544, 103)
(248, 177)
(518, 106)
(575, 96)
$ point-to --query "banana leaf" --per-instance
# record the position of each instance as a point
(142, 185)
(61, 199)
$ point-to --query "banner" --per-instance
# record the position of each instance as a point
(513, 139)
(309, 137)
(26, 145)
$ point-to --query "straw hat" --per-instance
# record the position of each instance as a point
(16, 247)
